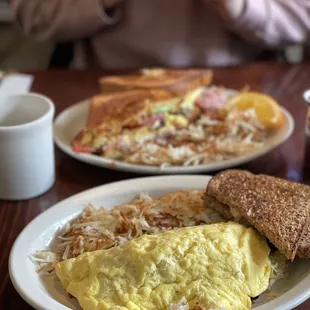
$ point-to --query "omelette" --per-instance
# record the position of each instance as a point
(211, 266)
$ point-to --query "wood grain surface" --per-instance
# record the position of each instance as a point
(284, 82)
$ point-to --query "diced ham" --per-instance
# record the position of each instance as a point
(212, 98)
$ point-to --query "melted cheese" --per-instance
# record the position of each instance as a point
(190, 98)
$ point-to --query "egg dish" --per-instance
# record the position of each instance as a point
(212, 266)
(161, 127)
(167, 230)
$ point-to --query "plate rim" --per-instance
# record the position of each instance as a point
(290, 299)
(147, 169)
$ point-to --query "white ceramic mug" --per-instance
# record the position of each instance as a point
(27, 163)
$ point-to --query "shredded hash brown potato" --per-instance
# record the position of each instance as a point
(97, 229)
(208, 140)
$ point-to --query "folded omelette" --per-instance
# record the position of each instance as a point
(213, 266)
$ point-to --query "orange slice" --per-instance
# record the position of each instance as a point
(267, 110)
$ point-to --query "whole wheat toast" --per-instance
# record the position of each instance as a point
(277, 208)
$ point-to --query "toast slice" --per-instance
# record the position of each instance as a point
(123, 107)
(110, 114)
(177, 82)
(149, 99)
(277, 208)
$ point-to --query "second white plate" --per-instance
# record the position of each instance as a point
(46, 292)
(72, 120)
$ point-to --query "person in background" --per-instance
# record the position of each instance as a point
(173, 33)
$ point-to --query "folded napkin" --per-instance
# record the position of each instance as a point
(15, 83)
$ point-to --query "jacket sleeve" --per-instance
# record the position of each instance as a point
(60, 20)
(275, 23)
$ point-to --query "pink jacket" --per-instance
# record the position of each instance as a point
(179, 33)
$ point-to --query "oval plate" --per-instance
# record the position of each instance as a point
(46, 293)
(72, 120)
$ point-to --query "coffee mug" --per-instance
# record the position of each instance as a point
(27, 163)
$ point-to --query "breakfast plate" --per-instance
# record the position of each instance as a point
(45, 292)
(72, 120)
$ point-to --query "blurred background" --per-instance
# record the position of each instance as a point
(20, 53)
(16, 51)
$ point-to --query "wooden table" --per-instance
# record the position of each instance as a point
(285, 82)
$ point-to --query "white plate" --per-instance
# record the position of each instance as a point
(46, 293)
(71, 121)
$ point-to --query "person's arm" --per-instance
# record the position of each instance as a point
(272, 22)
(63, 19)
